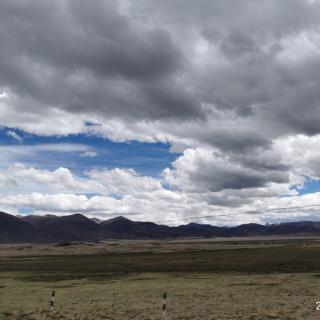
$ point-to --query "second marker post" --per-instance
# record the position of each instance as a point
(164, 306)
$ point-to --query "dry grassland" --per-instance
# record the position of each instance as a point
(264, 279)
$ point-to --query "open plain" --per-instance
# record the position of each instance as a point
(247, 278)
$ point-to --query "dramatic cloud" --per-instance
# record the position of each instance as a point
(231, 86)
(203, 170)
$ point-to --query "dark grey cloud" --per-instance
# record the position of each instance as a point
(235, 179)
(235, 140)
(238, 44)
(253, 80)
(297, 108)
(269, 20)
(51, 52)
(137, 62)
(216, 177)
(77, 36)
(204, 171)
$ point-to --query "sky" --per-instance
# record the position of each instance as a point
(178, 111)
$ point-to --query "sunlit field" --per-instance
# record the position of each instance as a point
(251, 279)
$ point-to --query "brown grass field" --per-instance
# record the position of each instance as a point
(247, 278)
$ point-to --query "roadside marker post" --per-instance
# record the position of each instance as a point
(164, 306)
(53, 299)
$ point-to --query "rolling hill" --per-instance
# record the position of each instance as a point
(77, 227)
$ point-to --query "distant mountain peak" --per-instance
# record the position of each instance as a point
(118, 219)
(75, 217)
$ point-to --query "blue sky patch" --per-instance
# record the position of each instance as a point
(26, 211)
(145, 158)
(310, 186)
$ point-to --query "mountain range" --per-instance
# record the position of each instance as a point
(77, 227)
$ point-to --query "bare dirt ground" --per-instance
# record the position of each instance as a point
(240, 279)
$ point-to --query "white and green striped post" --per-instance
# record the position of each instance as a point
(164, 306)
(53, 299)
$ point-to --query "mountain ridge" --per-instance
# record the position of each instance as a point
(77, 227)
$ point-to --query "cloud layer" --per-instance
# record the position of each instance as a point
(232, 86)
